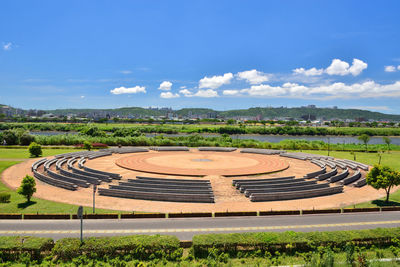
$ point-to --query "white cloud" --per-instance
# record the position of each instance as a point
(182, 87)
(82, 96)
(186, 92)
(357, 67)
(398, 67)
(339, 67)
(230, 92)
(206, 93)
(390, 68)
(131, 90)
(169, 95)
(253, 76)
(165, 85)
(7, 46)
(215, 81)
(125, 71)
(309, 72)
(368, 89)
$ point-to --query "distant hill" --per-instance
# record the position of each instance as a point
(265, 113)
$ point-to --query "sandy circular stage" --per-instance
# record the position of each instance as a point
(202, 163)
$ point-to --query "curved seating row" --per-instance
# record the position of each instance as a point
(70, 164)
(295, 183)
(124, 150)
(169, 148)
(169, 180)
(157, 196)
(262, 151)
(248, 192)
(327, 175)
(352, 178)
(339, 176)
(330, 163)
(318, 162)
(316, 173)
(217, 149)
(48, 180)
(109, 174)
(193, 186)
(76, 181)
(360, 182)
(296, 194)
(160, 190)
(238, 183)
(36, 164)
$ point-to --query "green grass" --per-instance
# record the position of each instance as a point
(18, 203)
(16, 153)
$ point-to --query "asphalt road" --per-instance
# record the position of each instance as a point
(186, 228)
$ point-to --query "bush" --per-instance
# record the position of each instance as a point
(35, 149)
(11, 247)
(25, 139)
(27, 188)
(142, 247)
(87, 145)
(10, 137)
(5, 197)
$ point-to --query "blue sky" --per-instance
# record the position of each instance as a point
(216, 54)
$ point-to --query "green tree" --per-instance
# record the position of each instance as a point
(87, 145)
(388, 141)
(365, 139)
(26, 138)
(27, 188)
(10, 137)
(383, 177)
(35, 150)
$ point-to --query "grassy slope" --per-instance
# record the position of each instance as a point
(16, 153)
(18, 203)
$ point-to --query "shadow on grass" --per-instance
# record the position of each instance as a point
(382, 203)
(26, 204)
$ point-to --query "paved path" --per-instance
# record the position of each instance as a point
(185, 228)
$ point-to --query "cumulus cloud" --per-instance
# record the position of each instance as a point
(253, 76)
(82, 96)
(390, 68)
(335, 90)
(169, 95)
(165, 85)
(230, 92)
(309, 72)
(131, 90)
(186, 92)
(206, 93)
(215, 82)
(7, 46)
(339, 67)
(398, 67)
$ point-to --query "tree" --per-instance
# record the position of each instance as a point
(365, 139)
(387, 140)
(87, 145)
(10, 137)
(27, 188)
(35, 150)
(383, 177)
(26, 139)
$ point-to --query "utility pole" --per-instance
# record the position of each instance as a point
(329, 145)
(94, 197)
(80, 216)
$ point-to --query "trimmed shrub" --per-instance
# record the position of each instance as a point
(11, 247)
(35, 149)
(142, 247)
(5, 197)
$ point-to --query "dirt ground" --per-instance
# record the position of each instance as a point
(227, 198)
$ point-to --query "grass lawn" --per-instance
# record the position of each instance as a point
(16, 153)
(18, 203)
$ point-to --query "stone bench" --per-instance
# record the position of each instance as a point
(61, 177)
(217, 149)
(352, 178)
(157, 196)
(296, 195)
(48, 180)
(272, 180)
(161, 190)
(315, 174)
(339, 176)
(327, 175)
(262, 151)
(173, 180)
(89, 179)
(295, 183)
(248, 192)
(163, 185)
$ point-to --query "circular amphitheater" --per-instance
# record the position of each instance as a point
(204, 179)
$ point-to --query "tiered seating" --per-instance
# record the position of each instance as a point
(169, 148)
(263, 185)
(217, 149)
(160, 189)
(351, 179)
(99, 176)
(339, 176)
(249, 192)
(303, 156)
(361, 182)
(358, 164)
(71, 180)
(124, 150)
(315, 174)
(238, 183)
(296, 194)
(329, 162)
(327, 175)
(262, 151)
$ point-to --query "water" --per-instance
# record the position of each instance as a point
(268, 138)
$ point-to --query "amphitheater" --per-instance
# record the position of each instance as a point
(204, 179)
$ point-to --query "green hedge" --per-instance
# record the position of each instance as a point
(11, 247)
(141, 247)
(290, 241)
(4, 197)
